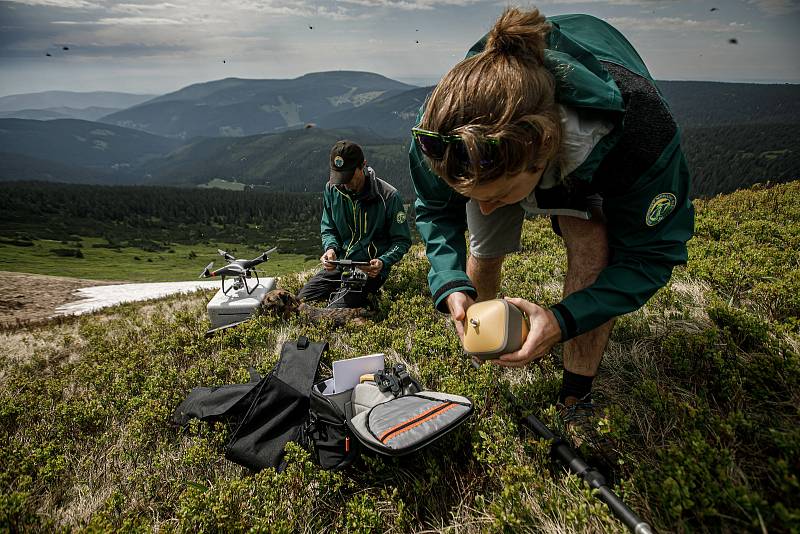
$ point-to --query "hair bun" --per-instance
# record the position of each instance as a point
(519, 33)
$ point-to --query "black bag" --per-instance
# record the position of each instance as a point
(389, 415)
(327, 436)
(270, 412)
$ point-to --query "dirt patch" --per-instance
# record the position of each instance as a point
(27, 299)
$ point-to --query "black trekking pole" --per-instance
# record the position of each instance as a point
(563, 453)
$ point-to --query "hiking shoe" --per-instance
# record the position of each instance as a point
(586, 425)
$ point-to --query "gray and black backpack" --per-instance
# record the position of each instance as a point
(388, 413)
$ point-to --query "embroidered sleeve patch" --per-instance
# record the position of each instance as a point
(401, 217)
(661, 206)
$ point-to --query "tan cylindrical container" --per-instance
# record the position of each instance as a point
(493, 328)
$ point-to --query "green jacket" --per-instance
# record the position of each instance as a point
(365, 225)
(638, 168)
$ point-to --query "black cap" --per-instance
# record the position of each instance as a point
(346, 157)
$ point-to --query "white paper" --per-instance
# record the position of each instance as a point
(328, 388)
(346, 373)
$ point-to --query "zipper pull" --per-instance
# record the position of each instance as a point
(347, 444)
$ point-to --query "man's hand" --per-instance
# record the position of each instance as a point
(329, 255)
(374, 269)
(458, 303)
(544, 333)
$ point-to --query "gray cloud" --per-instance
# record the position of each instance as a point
(408, 5)
(161, 44)
(777, 7)
(69, 4)
(675, 24)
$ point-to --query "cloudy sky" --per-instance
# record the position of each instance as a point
(154, 46)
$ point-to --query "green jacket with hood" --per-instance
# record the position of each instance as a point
(365, 225)
(638, 168)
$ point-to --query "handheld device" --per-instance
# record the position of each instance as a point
(352, 279)
(348, 263)
(493, 328)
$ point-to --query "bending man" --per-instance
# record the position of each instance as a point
(557, 117)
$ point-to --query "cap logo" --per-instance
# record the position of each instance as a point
(338, 161)
(661, 206)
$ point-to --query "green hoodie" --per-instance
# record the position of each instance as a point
(365, 225)
(645, 190)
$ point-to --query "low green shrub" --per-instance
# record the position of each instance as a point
(701, 390)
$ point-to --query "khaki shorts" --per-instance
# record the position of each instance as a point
(498, 234)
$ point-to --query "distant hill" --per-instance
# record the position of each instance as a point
(391, 116)
(239, 107)
(91, 113)
(18, 167)
(704, 104)
(695, 104)
(71, 99)
(81, 143)
(292, 161)
(723, 159)
(734, 135)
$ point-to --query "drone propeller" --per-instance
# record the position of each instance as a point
(265, 256)
(207, 271)
(225, 255)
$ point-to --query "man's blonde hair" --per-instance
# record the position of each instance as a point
(506, 93)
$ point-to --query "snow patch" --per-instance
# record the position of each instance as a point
(231, 131)
(356, 99)
(98, 297)
(288, 110)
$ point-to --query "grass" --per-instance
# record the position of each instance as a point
(701, 387)
(176, 262)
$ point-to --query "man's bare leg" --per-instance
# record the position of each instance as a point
(587, 255)
(485, 275)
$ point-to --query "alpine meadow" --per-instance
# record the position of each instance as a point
(399, 266)
(709, 430)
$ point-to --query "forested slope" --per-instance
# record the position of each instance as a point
(156, 216)
(701, 391)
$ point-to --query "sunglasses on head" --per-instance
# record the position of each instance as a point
(434, 145)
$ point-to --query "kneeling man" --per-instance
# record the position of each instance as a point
(363, 219)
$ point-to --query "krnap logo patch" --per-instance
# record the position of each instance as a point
(338, 161)
(401, 217)
(661, 206)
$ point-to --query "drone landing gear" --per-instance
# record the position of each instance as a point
(241, 282)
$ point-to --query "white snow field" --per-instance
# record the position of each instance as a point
(97, 297)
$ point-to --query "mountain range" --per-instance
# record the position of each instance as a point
(276, 133)
(235, 107)
(49, 105)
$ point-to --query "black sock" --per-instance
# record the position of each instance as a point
(574, 385)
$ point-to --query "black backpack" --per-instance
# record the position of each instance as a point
(269, 412)
(388, 414)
